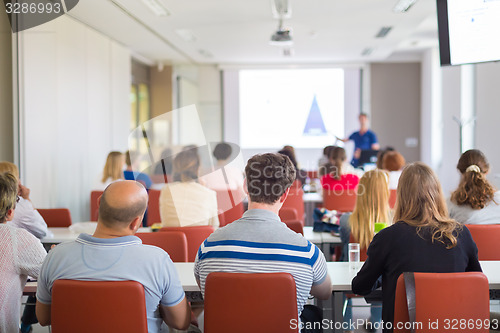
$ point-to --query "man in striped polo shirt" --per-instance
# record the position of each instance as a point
(259, 242)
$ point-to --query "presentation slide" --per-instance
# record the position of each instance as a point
(299, 107)
(474, 28)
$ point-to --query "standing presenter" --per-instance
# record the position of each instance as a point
(363, 139)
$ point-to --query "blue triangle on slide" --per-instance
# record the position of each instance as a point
(315, 124)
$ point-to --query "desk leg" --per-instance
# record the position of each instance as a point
(332, 310)
(337, 307)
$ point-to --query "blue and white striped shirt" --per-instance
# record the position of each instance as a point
(260, 243)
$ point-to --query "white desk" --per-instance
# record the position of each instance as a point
(340, 274)
(60, 235)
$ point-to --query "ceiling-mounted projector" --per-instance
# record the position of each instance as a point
(282, 37)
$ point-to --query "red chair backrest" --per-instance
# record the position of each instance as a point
(342, 201)
(362, 251)
(159, 179)
(288, 214)
(194, 235)
(263, 300)
(296, 226)
(56, 217)
(94, 204)
(154, 207)
(295, 200)
(98, 306)
(172, 242)
(392, 198)
(313, 174)
(230, 203)
(445, 296)
(487, 239)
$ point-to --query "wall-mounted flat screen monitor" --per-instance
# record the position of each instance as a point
(469, 31)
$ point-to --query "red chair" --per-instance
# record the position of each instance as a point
(154, 207)
(288, 214)
(295, 200)
(230, 203)
(56, 217)
(194, 235)
(159, 179)
(392, 198)
(343, 201)
(487, 239)
(172, 242)
(98, 306)
(296, 226)
(313, 174)
(94, 204)
(445, 296)
(265, 302)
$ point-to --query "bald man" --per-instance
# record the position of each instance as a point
(113, 251)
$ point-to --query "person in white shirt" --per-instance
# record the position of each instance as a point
(21, 254)
(185, 202)
(26, 217)
(475, 201)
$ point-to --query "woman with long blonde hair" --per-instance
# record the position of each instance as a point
(372, 206)
(475, 201)
(113, 169)
(423, 238)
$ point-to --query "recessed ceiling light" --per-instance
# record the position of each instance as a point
(403, 5)
(383, 32)
(367, 51)
(157, 7)
(205, 53)
(186, 35)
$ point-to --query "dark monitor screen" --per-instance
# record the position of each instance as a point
(368, 156)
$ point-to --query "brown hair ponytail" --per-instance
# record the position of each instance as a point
(337, 157)
(474, 189)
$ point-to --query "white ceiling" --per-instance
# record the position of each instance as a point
(238, 31)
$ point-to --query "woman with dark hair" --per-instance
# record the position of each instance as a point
(289, 151)
(185, 202)
(422, 239)
(335, 179)
(475, 201)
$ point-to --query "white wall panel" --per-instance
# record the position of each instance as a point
(75, 91)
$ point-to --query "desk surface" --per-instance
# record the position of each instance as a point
(60, 235)
(340, 273)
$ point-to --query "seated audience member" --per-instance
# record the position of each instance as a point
(380, 156)
(423, 238)
(185, 202)
(231, 179)
(21, 254)
(475, 201)
(113, 253)
(26, 217)
(300, 174)
(394, 163)
(336, 179)
(372, 206)
(324, 159)
(130, 174)
(263, 233)
(113, 170)
(164, 166)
